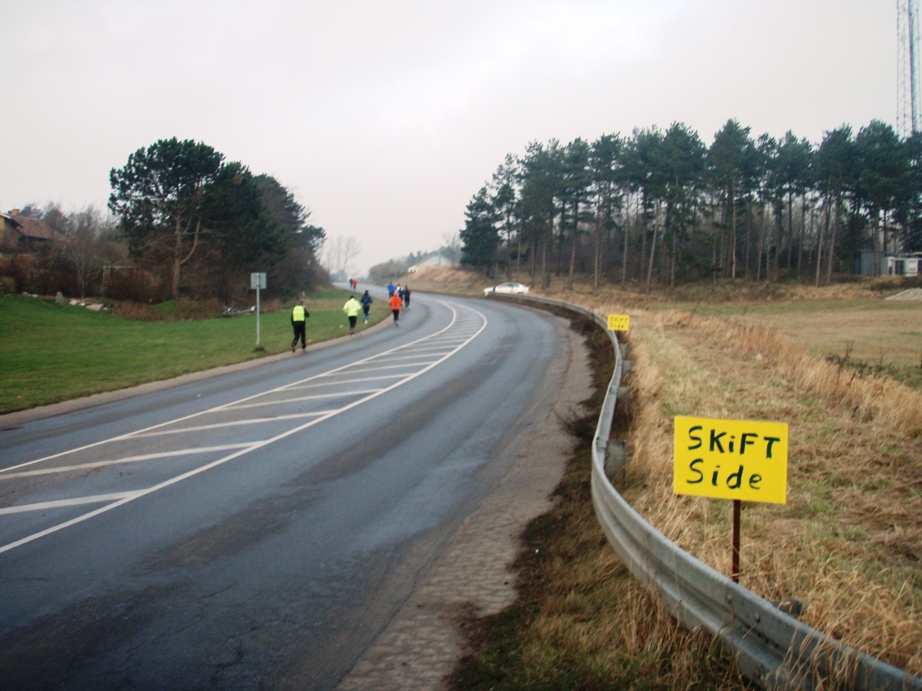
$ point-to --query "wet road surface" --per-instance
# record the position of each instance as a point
(256, 530)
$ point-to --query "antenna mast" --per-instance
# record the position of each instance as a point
(908, 109)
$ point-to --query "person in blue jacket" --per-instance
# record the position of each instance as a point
(366, 304)
(390, 288)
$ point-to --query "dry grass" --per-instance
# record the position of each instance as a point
(866, 334)
(727, 291)
(845, 321)
(849, 321)
(445, 279)
(849, 540)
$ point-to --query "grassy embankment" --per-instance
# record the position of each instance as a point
(848, 542)
(51, 353)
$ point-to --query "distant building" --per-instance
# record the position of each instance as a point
(27, 233)
(898, 265)
(434, 259)
(864, 262)
(910, 265)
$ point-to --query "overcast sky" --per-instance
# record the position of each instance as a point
(385, 117)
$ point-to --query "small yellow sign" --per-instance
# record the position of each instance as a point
(731, 459)
(619, 322)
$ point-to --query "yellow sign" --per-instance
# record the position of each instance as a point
(731, 459)
(619, 322)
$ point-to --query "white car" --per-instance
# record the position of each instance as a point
(508, 289)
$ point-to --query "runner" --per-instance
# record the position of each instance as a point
(352, 309)
(396, 303)
(298, 316)
(366, 304)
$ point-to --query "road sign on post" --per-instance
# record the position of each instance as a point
(257, 281)
(731, 459)
(619, 322)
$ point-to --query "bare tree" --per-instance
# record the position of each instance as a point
(332, 254)
(85, 230)
(451, 241)
(351, 249)
(339, 252)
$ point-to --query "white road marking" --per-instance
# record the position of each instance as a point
(128, 459)
(433, 351)
(418, 353)
(74, 501)
(376, 367)
(282, 401)
(345, 381)
(233, 423)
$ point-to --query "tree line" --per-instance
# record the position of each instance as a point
(203, 224)
(661, 206)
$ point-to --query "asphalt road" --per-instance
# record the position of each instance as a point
(257, 530)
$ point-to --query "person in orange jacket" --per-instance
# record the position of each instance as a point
(396, 302)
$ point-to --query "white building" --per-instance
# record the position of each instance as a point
(434, 259)
(909, 265)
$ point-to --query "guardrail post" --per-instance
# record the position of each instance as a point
(616, 461)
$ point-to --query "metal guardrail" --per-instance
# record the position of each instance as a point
(772, 648)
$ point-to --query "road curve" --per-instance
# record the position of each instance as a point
(258, 529)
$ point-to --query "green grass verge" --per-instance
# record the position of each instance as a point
(51, 353)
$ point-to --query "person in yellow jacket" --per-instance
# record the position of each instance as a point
(299, 316)
(352, 308)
